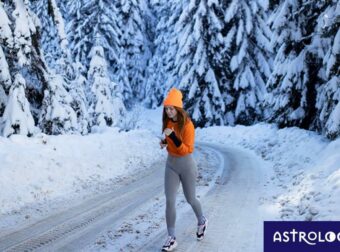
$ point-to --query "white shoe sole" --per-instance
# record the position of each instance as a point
(171, 248)
(205, 231)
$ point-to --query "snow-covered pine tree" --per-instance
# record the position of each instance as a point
(293, 83)
(93, 22)
(153, 88)
(220, 50)
(162, 54)
(122, 78)
(6, 42)
(244, 46)
(326, 42)
(17, 117)
(167, 43)
(5, 81)
(49, 34)
(5, 77)
(57, 116)
(51, 107)
(25, 29)
(79, 29)
(54, 40)
(154, 67)
(74, 81)
(88, 19)
(3, 101)
(198, 21)
(101, 102)
(133, 42)
(25, 56)
(79, 103)
(119, 109)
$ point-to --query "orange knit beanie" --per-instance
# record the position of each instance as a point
(174, 98)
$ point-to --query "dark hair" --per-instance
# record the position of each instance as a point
(182, 119)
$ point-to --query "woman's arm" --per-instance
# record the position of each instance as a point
(188, 139)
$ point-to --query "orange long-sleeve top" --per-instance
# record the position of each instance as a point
(187, 138)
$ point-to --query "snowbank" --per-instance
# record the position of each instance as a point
(48, 167)
(306, 184)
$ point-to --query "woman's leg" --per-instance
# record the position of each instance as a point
(171, 184)
(188, 178)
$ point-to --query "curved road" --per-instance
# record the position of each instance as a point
(232, 206)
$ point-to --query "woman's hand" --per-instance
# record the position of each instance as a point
(162, 145)
(168, 131)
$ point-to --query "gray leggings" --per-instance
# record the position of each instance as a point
(184, 170)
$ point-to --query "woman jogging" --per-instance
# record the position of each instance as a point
(180, 166)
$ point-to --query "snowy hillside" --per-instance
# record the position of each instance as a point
(48, 167)
(45, 174)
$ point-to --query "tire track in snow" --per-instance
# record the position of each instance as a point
(73, 228)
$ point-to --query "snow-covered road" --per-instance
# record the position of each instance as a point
(77, 226)
(232, 205)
